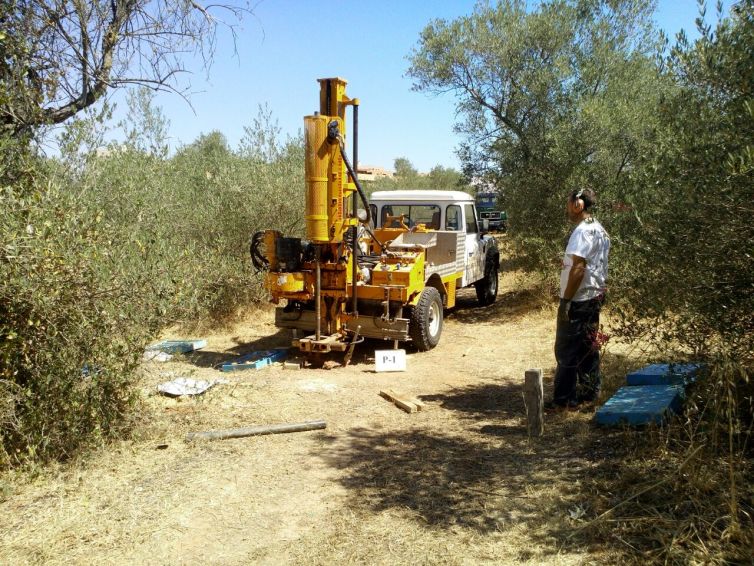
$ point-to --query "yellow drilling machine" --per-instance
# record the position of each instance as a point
(352, 277)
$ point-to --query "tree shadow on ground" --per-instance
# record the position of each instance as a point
(450, 479)
(510, 305)
(483, 402)
(514, 261)
(487, 478)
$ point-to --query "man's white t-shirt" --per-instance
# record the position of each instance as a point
(590, 241)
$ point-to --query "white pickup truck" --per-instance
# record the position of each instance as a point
(462, 253)
(416, 251)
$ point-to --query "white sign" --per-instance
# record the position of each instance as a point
(390, 360)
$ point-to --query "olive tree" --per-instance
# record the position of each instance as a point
(692, 254)
(58, 57)
(549, 97)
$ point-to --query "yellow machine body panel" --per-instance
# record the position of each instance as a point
(297, 285)
(318, 163)
(332, 97)
(404, 277)
(450, 283)
(404, 271)
(327, 186)
(328, 190)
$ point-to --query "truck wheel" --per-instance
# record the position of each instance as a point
(425, 325)
(486, 289)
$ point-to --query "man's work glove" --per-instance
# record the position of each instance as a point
(563, 310)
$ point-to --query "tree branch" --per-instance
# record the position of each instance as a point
(73, 51)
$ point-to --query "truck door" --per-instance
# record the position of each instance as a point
(474, 246)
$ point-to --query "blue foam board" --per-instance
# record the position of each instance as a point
(640, 405)
(663, 374)
(177, 346)
(255, 360)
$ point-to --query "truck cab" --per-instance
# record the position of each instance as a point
(443, 211)
(489, 210)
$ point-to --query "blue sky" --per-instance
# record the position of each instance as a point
(287, 44)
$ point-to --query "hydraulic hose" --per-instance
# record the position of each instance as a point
(334, 136)
(355, 229)
(257, 257)
(362, 194)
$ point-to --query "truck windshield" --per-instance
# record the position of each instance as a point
(413, 214)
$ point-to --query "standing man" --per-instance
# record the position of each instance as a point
(582, 292)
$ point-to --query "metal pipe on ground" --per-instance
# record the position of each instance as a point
(256, 431)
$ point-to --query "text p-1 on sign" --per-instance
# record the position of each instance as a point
(390, 360)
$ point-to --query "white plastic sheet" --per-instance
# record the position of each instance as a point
(185, 386)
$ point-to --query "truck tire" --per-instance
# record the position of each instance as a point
(425, 325)
(486, 289)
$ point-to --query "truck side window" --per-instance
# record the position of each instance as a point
(373, 214)
(453, 217)
(471, 226)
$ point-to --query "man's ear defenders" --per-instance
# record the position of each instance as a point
(579, 201)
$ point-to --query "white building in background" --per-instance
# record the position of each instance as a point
(371, 173)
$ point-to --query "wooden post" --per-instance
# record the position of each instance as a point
(255, 431)
(534, 401)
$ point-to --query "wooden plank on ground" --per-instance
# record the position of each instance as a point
(401, 401)
(419, 404)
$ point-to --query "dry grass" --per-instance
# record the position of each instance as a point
(686, 499)
(458, 483)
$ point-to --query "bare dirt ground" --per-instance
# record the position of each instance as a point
(458, 483)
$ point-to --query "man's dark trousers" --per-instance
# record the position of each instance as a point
(578, 355)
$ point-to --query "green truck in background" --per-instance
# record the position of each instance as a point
(489, 211)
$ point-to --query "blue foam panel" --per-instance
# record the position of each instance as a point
(640, 405)
(664, 374)
(255, 360)
(177, 346)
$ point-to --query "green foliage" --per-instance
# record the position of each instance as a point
(446, 177)
(691, 255)
(74, 315)
(551, 98)
(21, 88)
(82, 136)
(575, 93)
(146, 127)
(17, 161)
(203, 205)
(100, 256)
(408, 177)
(261, 140)
(404, 168)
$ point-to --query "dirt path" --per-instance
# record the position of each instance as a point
(458, 483)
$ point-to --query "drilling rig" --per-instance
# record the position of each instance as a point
(350, 278)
